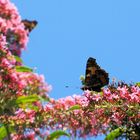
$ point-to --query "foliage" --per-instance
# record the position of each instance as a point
(57, 134)
(114, 134)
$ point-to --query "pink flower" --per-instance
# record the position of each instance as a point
(69, 101)
(30, 114)
(96, 97)
(135, 97)
(20, 114)
(16, 136)
(30, 135)
(117, 118)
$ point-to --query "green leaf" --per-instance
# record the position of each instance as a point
(55, 135)
(18, 59)
(27, 99)
(138, 84)
(44, 98)
(114, 134)
(75, 107)
(3, 133)
(23, 69)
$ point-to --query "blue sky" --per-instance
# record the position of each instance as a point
(70, 31)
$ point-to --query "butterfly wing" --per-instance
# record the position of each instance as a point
(95, 77)
(91, 68)
(29, 25)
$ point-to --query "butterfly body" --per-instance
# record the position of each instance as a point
(95, 77)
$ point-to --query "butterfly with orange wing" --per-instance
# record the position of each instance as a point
(29, 25)
(95, 77)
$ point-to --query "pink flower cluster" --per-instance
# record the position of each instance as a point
(12, 27)
(96, 112)
(13, 84)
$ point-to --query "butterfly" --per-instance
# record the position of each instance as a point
(29, 25)
(95, 77)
